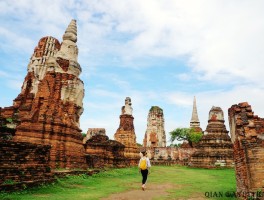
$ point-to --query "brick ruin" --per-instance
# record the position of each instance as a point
(215, 148)
(125, 134)
(247, 133)
(93, 132)
(48, 109)
(155, 134)
(166, 155)
(163, 153)
(102, 152)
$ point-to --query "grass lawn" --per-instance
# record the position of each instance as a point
(187, 183)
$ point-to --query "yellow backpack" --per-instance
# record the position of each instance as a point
(143, 164)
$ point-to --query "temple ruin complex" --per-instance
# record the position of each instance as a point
(41, 131)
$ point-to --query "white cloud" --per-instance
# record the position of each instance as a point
(183, 77)
(103, 93)
(20, 43)
(14, 84)
(179, 98)
(3, 74)
(222, 42)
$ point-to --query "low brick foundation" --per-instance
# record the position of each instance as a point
(23, 164)
(164, 162)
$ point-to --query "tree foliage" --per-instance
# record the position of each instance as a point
(175, 145)
(188, 134)
(83, 135)
(10, 120)
(139, 145)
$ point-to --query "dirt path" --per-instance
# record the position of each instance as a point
(152, 190)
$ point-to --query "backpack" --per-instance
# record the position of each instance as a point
(143, 164)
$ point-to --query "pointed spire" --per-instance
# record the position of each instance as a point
(71, 32)
(69, 49)
(195, 120)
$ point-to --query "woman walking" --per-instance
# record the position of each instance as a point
(144, 168)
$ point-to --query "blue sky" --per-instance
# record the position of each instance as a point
(159, 53)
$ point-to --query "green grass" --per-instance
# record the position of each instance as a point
(187, 182)
(195, 182)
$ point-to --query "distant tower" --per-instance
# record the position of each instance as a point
(195, 123)
(125, 134)
(155, 134)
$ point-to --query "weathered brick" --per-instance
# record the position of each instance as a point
(248, 148)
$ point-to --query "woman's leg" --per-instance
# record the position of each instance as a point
(144, 176)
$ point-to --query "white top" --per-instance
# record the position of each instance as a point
(148, 161)
(128, 110)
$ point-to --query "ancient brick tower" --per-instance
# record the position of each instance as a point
(155, 134)
(215, 148)
(125, 134)
(49, 106)
(195, 123)
(247, 133)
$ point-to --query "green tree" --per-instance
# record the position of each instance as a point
(83, 135)
(188, 134)
(139, 145)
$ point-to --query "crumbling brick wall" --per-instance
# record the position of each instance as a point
(169, 155)
(102, 152)
(22, 162)
(247, 134)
